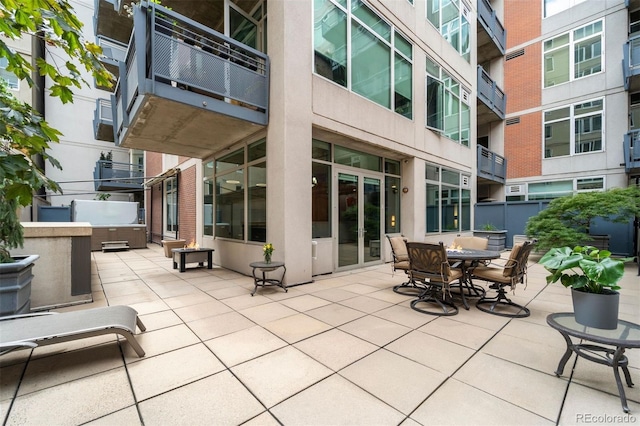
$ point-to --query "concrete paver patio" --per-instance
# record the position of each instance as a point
(342, 350)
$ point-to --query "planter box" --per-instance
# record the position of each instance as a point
(497, 239)
(15, 285)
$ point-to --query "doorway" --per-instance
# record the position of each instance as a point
(359, 219)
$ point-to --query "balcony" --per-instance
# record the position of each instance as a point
(108, 22)
(186, 89)
(631, 149)
(103, 120)
(113, 52)
(492, 101)
(631, 63)
(491, 166)
(112, 176)
(492, 37)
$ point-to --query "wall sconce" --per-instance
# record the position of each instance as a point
(405, 190)
(394, 189)
(393, 220)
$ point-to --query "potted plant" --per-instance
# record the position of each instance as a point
(593, 276)
(497, 237)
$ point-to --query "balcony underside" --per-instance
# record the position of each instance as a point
(171, 127)
(487, 47)
(486, 114)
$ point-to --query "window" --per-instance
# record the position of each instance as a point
(171, 207)
(586, 45)
(449, 17)
(12, 80)
(240, 193)
(575, 129)
(392, 197)
(447, 111)
(379, 66)
(448, 203)
(555, 189)
(551, 7)
(207, 189)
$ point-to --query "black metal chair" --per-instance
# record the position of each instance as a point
(401, 262)
(429, 262)
(514, 271)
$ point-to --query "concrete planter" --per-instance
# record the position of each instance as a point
(172, 244)
(497, 239)
(596, 310)
(15, 285)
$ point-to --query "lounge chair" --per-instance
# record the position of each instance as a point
(39, 329)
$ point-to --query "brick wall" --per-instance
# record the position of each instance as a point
(523, 146)
(523, 19)
(187, 204)
(523, 80)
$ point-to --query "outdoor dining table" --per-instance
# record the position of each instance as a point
(468, 258)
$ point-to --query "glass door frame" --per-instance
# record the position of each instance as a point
(361, 176)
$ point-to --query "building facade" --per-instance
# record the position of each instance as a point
(319, 127)
(571, 119)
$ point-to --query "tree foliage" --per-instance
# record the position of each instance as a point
(566, 221)
(23, 132)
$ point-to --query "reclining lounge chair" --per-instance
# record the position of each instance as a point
(39, 329)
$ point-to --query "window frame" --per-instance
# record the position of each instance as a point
(573, 125)
(351, 19)
(462, 23)
(571, 45)
(461, 211)
(454, 90)
(11, 83)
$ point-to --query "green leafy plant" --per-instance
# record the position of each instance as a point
(566, 221)
(584, 267)
(24, 134)
(488, 227)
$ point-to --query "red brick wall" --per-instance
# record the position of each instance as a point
(523, 86)
(187, 204)
(523, 80)
(522, 19)
(523, 146)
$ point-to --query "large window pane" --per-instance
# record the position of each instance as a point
(370, 66)
(320, 150)
(330, 42)
(321, 200)
(587, 57)
(465, 39)
(403, 87)
(433, 208)
(371, 19)
(207, 190)
(257, 200)
(230, 205)
(433, 12)
(392, 205)
(465, 211)
(452, 117)
(557, 139)
(450, 208)
(435, 113)
(353, 158)
(549, 190)
(257, 150)
(402, 45)
(465, 124)
(242, 29)
(230, 161)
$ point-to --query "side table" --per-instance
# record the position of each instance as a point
(264, 281)
(182, 256)
(625, 336)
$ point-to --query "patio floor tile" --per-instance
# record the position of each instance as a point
(278, 375)
(215, 400)
(336, 401)
(244, 345)
(335, 349)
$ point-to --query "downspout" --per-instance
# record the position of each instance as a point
(37, 103)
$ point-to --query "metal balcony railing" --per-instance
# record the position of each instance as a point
(491, 94)
(170, 50)
(631, 149)
(112, 51)
(103, 120)
(111, 176)
(492, 25)
(491, 165)
(631, 60)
